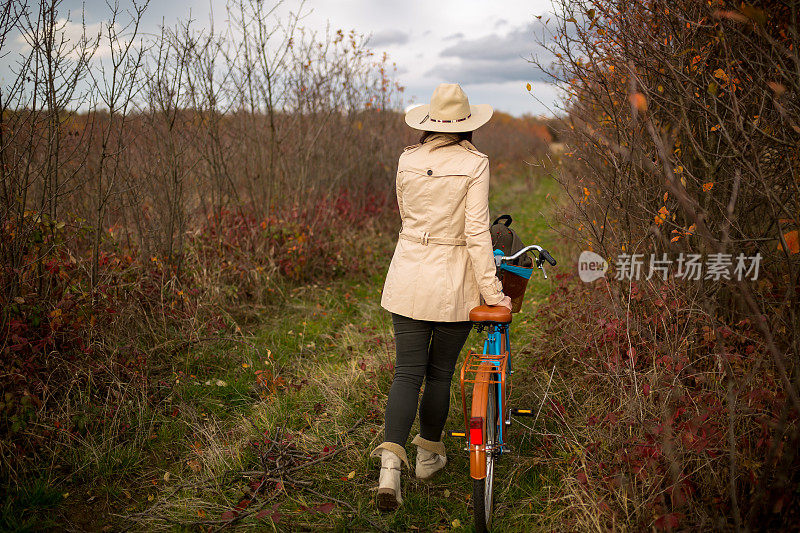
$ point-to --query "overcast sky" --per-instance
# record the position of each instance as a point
(481, 44)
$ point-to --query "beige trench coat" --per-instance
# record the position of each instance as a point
(442, 263)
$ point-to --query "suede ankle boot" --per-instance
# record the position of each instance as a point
(389, 497)
(431, 457)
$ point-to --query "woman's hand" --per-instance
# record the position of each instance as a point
(506, 301)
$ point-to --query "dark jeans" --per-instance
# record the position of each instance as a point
(426, 350)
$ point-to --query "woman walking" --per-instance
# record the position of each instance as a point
(441, 268)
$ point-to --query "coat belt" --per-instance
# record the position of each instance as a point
(426, 238)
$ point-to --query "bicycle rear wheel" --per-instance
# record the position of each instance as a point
(483, 489)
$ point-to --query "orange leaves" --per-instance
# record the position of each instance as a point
(585, 195)
(638, 101)
(661, 216)
(792, 242)
(678, 233)
(707, 186)
(528, 87)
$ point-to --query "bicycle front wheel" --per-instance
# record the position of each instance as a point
(482, 489)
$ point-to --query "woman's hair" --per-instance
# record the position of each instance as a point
(461, 136)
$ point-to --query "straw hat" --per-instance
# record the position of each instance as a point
(449, 111)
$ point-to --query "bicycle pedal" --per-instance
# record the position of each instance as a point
(522, 412)
(458, 434)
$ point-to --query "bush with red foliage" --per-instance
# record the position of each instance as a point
(681, 137)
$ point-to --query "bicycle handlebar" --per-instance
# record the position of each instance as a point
(544, 255)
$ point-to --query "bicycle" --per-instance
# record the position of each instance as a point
(490, 373)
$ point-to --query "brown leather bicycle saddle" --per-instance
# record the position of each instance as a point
(489, 313)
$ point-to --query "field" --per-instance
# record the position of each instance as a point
(273, 428)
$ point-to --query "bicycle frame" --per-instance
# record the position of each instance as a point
(492, 367)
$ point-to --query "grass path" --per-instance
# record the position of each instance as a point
(304, 395)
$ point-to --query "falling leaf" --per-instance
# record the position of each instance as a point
(446, 493)
(715, 128)
(351, 475)
(245, 365)
(166, 476)
(150, 497)
(528, 86)
(456, 523)
(707, 186)
(221, 383)
(777, 88)
(666, 195)
(638, 101)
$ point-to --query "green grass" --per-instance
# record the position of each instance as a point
(326, 353)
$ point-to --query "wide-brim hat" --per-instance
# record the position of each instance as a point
(449, 111)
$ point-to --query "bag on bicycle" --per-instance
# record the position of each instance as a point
(506, 239)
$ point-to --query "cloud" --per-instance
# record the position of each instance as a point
(478, 72)
(458, 35)
(388, 37)
(501, 22)
(495, 58)
(519, 42)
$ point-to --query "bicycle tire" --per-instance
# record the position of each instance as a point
(483, 489)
